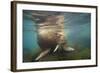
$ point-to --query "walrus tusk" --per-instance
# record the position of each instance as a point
(56, 48)
(42, 54)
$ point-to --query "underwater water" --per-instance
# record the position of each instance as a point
(77, 29)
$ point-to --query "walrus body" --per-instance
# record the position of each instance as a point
(51, 35)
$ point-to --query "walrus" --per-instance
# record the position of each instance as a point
(51, 36)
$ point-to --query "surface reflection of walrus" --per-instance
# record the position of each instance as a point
(51, 36)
